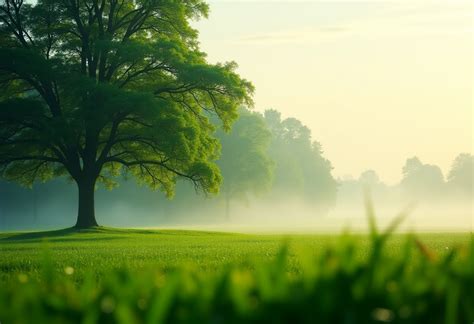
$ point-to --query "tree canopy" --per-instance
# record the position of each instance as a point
(300, 168)
(461, 175)
(98, 88)
(421, 180)
(245, 164)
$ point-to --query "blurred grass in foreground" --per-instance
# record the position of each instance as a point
(132, 276)
(414, 285)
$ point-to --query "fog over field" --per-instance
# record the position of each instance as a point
(276, 178)
(430, 200)
(290, 215)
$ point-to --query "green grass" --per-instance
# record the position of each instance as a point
(103, 249)
(137, 276)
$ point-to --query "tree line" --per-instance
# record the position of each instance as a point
(263, 158)
(421, 182)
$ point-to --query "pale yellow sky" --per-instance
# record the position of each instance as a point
(377, 82)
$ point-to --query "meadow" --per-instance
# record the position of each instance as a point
(171, 276)
(102, 249)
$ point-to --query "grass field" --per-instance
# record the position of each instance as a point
(100, 250)
(107, 275)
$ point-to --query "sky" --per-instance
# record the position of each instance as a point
(377, 82)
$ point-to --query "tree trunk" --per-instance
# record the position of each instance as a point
(86, 211)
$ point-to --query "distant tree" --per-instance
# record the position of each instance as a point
(244, 163)
(301, 170)
(352, 191)
(369, 178)
(461, 175)
(421, 180)
(95, 89)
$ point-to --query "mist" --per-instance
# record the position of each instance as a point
(49, 206)
(275, 179)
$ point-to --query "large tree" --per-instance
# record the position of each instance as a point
(94, 89)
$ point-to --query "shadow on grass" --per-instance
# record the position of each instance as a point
(96, 233)
(38, 235)
(62, 235)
